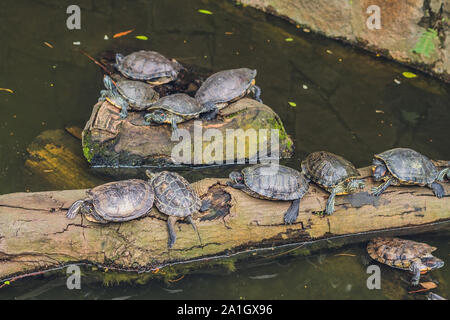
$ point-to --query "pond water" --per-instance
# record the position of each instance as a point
(347, 103)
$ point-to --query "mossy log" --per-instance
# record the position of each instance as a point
(36, 235)
(109, 140)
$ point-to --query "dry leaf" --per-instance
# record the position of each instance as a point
(428, 285)
(7, 90)
(48, 44)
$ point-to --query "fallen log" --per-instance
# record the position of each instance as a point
(35, 234)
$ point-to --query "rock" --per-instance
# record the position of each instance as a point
(403, 23)
(109, 140)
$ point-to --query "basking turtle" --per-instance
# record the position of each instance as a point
(174, 109)
(128, 94)
(115, 202)
(148, 66)
(333, 173)
(403, 166)
(403, 254)
(175, 198)
(272, 182)
(224, 87)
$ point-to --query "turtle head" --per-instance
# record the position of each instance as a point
(379, 169)
(119, 59)
(150, 174)
(430, 263)
(355, 185)
(236, 177)
(109, 83)
(157, 116)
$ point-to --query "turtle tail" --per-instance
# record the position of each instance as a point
(74, 209)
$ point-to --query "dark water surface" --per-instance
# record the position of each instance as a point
(351, 106)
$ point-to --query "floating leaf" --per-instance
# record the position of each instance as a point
(409, 75)
(425, 45)
(7, 282)
(7, 90)
(204, 11)
(228, 33)
(142, 37)
(292, 104)
(76, 43)
(397, 81)
(124, 33)
(288, 39)
(48, 44)
(329, 51)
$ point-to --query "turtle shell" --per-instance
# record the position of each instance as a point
(140, 95)
(174, 195)
(225, 86)
(397, 252)
(328, 169)
(178, 103)
(275, 182)
(122, 200)
(409, 166)
(148, 65)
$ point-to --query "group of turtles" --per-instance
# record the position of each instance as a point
(142, 70)
(174, 197)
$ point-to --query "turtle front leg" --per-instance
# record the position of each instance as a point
(191, 221)
(438, 189)
(292, 213)
(171, 228)
(442, 174)
(175, 133)
(256, 93)
(210, 111)
(330, 202)
(376, 191)
(415, 269)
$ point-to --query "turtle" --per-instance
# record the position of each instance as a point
(403, 166)
(225, 87)
(333, 173)
(128, 94)
(175, 198)
(115, 202)
(404, 254)
(174, 109)
(272, 182)
(149, 66)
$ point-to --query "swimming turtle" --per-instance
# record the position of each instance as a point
(174, 109)
(149, 66)
(175, 198)
(128, 94)
(333, 173)
(403, 166)
(224, 87)
(403, 254)
(272, 182)
(115, 202)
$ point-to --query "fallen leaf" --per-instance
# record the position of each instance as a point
(428, 285)
(292, 104)
(288, 39)
(123, 33)
(329, 51)
(397, 81)
(228, 33)
(409, 75)
(306, 30)
(204, 11)
(142, 37)
(379, 111)
(106, 37)
(344, 255)
(7, 90)
(48, 170)
(48, 44)
(76, 43)
(305, 87)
